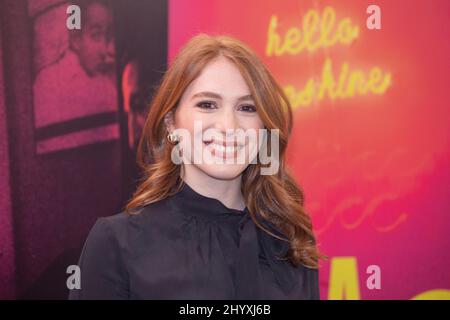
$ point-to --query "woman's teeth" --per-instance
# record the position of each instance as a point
(223, 149)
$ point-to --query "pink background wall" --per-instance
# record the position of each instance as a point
(374, 166)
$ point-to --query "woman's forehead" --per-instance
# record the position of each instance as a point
(219, 76)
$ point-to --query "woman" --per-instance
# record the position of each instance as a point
(202, 225)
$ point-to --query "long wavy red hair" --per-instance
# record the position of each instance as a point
(275, 198)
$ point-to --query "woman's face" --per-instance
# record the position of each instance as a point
(220, 122)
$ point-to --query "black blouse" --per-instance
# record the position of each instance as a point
(188, 246)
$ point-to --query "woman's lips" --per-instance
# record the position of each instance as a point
(223, 149)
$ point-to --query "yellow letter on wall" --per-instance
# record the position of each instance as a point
(344, 284)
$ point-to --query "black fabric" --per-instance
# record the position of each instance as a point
(188, 246)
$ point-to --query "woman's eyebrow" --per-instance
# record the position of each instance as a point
(209, 94)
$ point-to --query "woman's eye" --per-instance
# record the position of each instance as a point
(247, 108)
(206, 105)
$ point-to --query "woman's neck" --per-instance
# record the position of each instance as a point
(226, 191)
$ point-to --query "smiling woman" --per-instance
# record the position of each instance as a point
(198, 230)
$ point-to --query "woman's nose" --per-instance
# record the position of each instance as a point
(227, 120)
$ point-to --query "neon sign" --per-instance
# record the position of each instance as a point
(325, 31)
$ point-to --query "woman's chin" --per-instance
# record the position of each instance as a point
(223, 171)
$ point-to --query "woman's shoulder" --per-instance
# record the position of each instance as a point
(125, 224)
(156, 211)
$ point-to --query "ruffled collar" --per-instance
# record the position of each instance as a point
(254, 243)
(205, 207)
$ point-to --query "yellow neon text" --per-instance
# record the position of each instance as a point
(317, 31)
(348, 83)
